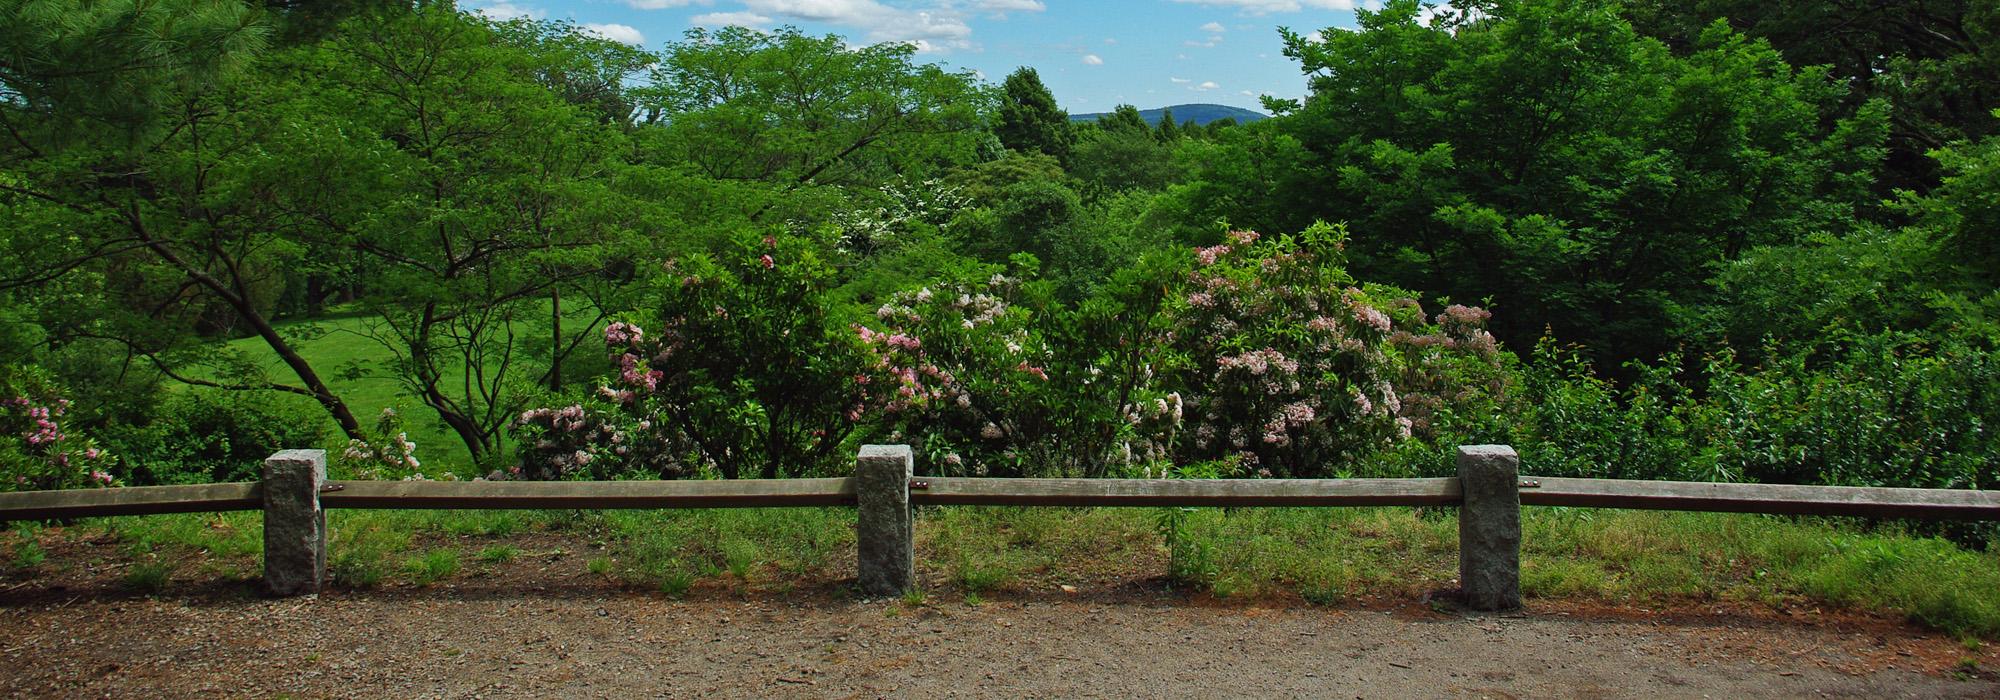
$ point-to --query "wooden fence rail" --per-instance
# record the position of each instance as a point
(1488, 490)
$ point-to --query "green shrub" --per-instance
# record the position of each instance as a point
(200, 436)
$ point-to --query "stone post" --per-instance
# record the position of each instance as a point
(1489, 527)
(884, 527)
(294, 524)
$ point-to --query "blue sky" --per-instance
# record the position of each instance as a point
(1092, 55)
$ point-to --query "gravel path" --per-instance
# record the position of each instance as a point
(583, 641)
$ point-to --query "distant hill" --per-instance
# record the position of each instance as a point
(1200, 113)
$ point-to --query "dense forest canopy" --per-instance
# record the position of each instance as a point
(1713, 240)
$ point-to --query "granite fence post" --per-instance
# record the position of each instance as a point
(294, 524)
(1489, 527)
(884, 525)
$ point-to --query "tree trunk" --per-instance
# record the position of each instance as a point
(555, 340)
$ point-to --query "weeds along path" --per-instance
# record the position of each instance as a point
(1133, 640)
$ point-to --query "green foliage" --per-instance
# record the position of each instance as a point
(1546, 156)
(38, 450)
(1884, 410)
(1117, 159)
(1937, 60)
(790, 112)
(201, 436)
(116, 69)
(1029, 120)
(747, 372)
(502, 176)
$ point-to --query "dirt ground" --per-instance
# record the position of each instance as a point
(542, 626)
(582, 637)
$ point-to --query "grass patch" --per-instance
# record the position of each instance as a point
(499, 554)
(432, 567)
(987, 549)
(1324, 556)
(149, 577)
(672, 549)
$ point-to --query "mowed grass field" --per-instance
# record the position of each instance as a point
(344, 342)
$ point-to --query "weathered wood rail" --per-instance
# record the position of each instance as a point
(1488, 490)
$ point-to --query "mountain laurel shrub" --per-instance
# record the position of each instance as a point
(40, 448)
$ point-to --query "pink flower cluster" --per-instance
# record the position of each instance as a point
(1257, 362)
(622, 333)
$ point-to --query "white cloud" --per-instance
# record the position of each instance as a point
(1265, 7)
(502, 10)
(929, 29)
(1205, 86)
(660, 4)
(620, 33)
(1091, 59)
(717, 20)
(1009, 5)
(1432, 8)
(1109, 40)
(1180, 81)
(1213, 28)
(1246, 93)
(1315, 37)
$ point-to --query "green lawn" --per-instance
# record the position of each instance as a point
(346, 342)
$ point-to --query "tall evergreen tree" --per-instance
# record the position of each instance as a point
(1030, 121)
(1169, 131)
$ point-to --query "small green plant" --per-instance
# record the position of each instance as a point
(599, 565)
(976, 573)
(499, 554)
(149, 576)
(433, 567)
(741, 556)
(676, 583)
(972, 598)
(913, 597)
(28, 553)
(357, 569)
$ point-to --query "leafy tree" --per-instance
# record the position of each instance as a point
(480, 195)
(780, 113)
(1029, 120)
(1123, 118)
(1169, 131)
(742, 371)
(1546, 156)
(1936, 61)
(1113, 160)
(138, 146)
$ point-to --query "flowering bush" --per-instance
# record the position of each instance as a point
(744, 372)
(36, 451)
(1026, 391)
(390, 455)
(1287, 366)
